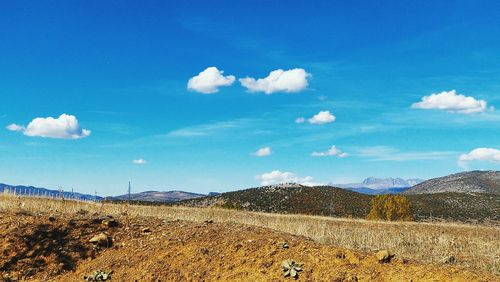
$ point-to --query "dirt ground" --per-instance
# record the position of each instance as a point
(41, 247)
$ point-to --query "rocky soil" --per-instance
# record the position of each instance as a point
(44, 247)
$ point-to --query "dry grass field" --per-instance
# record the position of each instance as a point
(471, 246)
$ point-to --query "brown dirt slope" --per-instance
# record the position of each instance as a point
(32, 247)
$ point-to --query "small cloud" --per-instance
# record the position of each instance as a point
(63, 127)
(300, 120)
(263, 152)
(15, 127)
(209, 81)
(452, 102)
(140, 161)
(289, 81)
(278, 177)
(333, 151)
(322, 97)
(480, 154)
(206, 129)
(384, 153)
(322, 117)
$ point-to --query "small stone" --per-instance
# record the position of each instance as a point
(146, 230)
(384, 256)
(52, 218)
(101, 240)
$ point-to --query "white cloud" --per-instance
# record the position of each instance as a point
(290, 81)
(263, 152)
(209, 81)
(480, 154)
(384, 153)
(15, 127)
(322, 117)
(300, 120)
(140, 161)
(63, 127)
(333, 151)
(277, 177)
(206, 129)
(452, 102)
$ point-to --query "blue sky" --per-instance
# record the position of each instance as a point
(120, 69)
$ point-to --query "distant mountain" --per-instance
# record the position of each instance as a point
(464, 182)
(379, 191)
(44, 192)
(157, 196)
(381, 183)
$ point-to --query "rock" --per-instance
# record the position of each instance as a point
(102, 240)
(52, 218)
(384, 256)
(340, 255)
(101, 219)
(146, 230)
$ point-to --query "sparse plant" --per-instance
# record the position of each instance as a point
(291, 268)
(284, 245)
(99, 275)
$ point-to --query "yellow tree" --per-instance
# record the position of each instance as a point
(390, 207)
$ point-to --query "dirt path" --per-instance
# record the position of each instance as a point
(32, 247)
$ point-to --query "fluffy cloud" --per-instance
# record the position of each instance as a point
(263, 152)
(209, 81)
(277, 177)
(452, 102)
(15, 127)
(333, 151)
(63, 127)
(480, 154)
(322, 118)
(290, 81)
(140, 161)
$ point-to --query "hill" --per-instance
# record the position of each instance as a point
(325, 200)
(45, 192)
(464, 182)
(157, 196)
(338, 202)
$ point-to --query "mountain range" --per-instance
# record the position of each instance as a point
(45, 192)
(158, 196)
(376, 186)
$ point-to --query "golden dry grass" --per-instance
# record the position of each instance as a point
(472, 245)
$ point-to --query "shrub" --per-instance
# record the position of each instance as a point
(390, 207)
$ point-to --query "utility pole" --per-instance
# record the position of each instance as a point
(129, 190)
